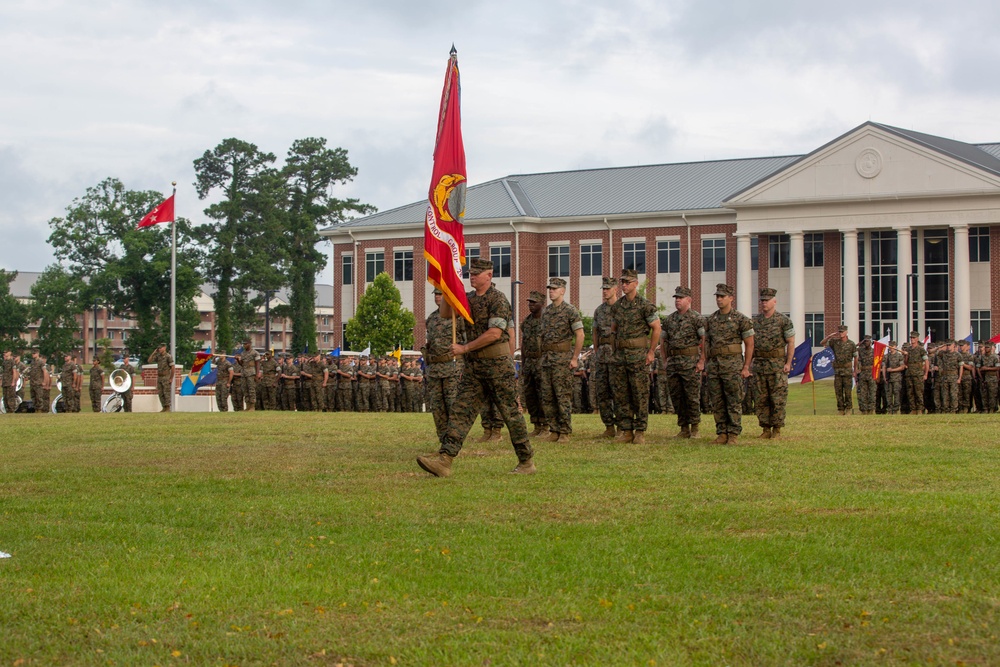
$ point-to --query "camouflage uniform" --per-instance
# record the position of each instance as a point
(866, 379)
(531, 371)
(894, 380)
(290, 385)
(605, 359)
(68, 379)
(443, 370)
(346, 374)
(330, 363)
(222, 368)
(364, 389)
(250, 360)
(948, 363)
(96, 387)
(392, 388)
(681, 341)
(9, 400)
(913, 378)
(630, 379)
(269, 382)
(317, 392)
(770, 381)
(36, 371)
(989, 382)
(844, 352)
(236, 388)
(127, 394)
(488, 373)
(558, 327)
(164, 375)
(965, 386)
(724, 337)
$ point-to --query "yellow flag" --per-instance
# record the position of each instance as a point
(398, 352)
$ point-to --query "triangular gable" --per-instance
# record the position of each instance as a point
(874, 162)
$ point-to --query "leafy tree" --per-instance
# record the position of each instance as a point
(13, 315)
(247, 257)
(380, 319)
(588, 331)
(57, 299)
(126, 268)
(311, 170)
(106, 357)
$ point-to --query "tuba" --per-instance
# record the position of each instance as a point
(120, 380)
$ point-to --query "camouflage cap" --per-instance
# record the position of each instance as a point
(681, 292)
(630, 274)
(535, 295)
(892, 343)
(842, 328)
(724, 290)
(914, 334)
(478, 265)
(768, 293)
(437, 292)
(556, 282)
(965, 342)
(608, 283)
(867, 337)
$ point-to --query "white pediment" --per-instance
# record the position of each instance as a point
(870, 164)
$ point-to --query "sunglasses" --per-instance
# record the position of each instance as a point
(626, 281)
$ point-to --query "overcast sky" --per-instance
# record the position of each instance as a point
(137, 90)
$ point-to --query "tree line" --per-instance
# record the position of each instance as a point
(261, 236)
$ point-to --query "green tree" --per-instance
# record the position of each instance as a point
(380, 320)
(128, 269)
(247, 256)
(13, 315)
(56, 300)
(106, 357)
(311, 171)
(588, 331)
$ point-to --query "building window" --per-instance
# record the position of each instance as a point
(884, 285)
(344, 343)
(936, 297)
(814, 250)
(500, 256)
(979, 245)
(374, 265)
(558, 261)
(347, 269)
(668, 256)
(402, 261)
(713, 255)
(779, 247)
(814, 327)
(326, 338)
(470, 254)
(635, 256)
(981, 325)
(754, 253)
(326, 320)
(590, 260)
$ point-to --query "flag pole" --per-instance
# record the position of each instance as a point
(814, 392)
(173, 302)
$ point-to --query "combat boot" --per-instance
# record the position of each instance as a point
(841, 412)
(639, 438)
(524, 468)
(767, 433)
(609, 432)
(438, 464)
(563, 438)
(685, 432)
(731, 439)
(552, 437)
(496, 436)
(543, 433)
(537, 432)
(624, 436)
(721, 440)
(487, 434)
(694, 431)
(775, 433)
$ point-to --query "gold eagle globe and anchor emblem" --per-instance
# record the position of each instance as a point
(449, 196)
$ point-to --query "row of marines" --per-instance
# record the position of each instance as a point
(39, 376)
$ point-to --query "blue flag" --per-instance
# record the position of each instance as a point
(801, 358)
(822, 364)
(335, 352)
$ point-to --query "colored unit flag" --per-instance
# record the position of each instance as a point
(335, 352)
(444, 236)
(820, 366)
(398, 352)
(881, 345)
(995, 339)
(162, 212)
(201, 369)
(968, 338)
(800, 360)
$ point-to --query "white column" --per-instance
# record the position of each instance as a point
(797, 285)
(744, 275)
(851, 306)
(904, 265)
(963, 314)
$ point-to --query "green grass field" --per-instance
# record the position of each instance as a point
(314, 539)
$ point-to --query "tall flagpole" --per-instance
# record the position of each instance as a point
(173, 302)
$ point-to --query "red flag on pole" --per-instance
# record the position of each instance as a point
(881, 345)
(444, 237)
(162, 212)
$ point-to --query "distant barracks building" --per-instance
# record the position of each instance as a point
(883, 229)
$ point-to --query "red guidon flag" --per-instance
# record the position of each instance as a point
(162, 212)
(881, 345)
(444, 238)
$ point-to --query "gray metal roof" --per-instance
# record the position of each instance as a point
(687, 186)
